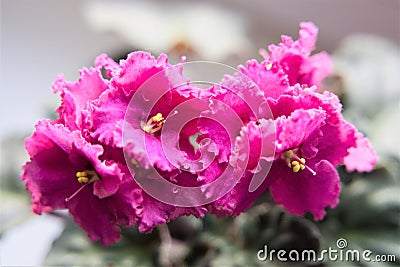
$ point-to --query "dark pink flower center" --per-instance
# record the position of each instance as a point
(85, 177)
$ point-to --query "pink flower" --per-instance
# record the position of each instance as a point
(239, 94)
(146, 123)
(338, 137)
(293, 57)
(312, 138)
(77, 162)
(65, 172)
(148, 81)
(302, 180)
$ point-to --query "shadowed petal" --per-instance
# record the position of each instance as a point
(303, 192)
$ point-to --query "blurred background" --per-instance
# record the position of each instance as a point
(42, 38)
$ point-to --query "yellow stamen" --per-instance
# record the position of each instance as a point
(134, 162)
(297, 164)
(85, 177)
(288, 155)
(158, 117)
(296, 168)
(268, 66)
(83, 180)
(302, 166)
(153, 124)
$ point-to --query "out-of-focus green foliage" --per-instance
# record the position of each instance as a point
(14, 204)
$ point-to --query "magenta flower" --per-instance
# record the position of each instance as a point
(293, 57)
(312, 138)
(65, 172)
(147, 78)
(146, 123)
(77, 162)
(302, 179)
(305, 159)
(289, 63)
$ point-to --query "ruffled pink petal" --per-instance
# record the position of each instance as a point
(153, 213)
(292, 131)
(336, 135)
(105, 119)
(362, 157)
(271, 80)
(318, 67)
(57, 154)
(198, 212)
(256, 141)
(111, 177)
(222, 123)
(216, 132)
(307, 98)
(212, 172)
(303, 192)
(49, 179)
(106, 126)
(75, 96)
(50, 175)
(108, 63)
(95, 217)
(136, 69)
(101, 218)
(242, 94)
(49, 134)
(335, 142)
(308, 37)
(126, 203)
(294, 57)
(147, 150)
(239, 199)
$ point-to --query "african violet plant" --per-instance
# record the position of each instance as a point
(129, 144)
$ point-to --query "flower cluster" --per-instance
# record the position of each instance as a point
(265, 127)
